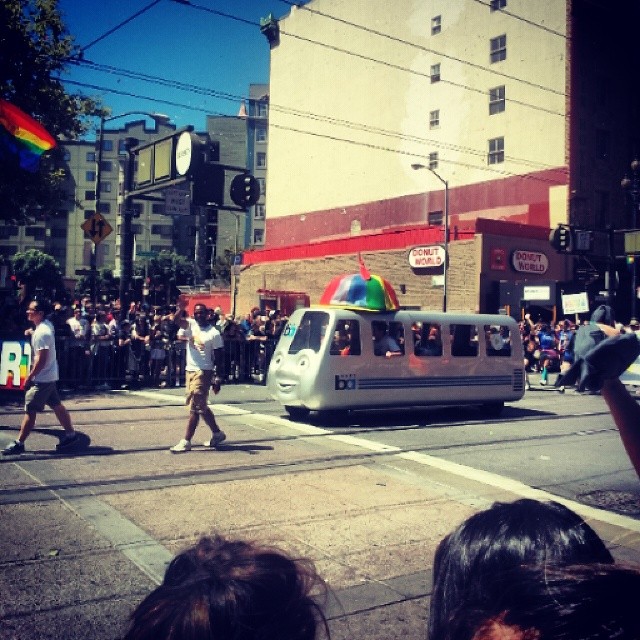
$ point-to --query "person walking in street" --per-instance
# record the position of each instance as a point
(40, 383)
(205, 351)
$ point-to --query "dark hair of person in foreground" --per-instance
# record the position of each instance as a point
(232, 590)
(583, 602)
(507, 535)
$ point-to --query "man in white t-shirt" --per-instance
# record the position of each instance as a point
(40, 383)
(204, 361)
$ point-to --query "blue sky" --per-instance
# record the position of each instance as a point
(213, 53)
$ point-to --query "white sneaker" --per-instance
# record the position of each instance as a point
(218, 438)
(181, 447)
(543, 383)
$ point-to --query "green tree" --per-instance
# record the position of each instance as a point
(39, 273)
(167, 272)
(36, 48)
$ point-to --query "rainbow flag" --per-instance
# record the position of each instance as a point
(22, 138)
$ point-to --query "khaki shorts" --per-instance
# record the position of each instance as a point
(198, 385)
(39, 395)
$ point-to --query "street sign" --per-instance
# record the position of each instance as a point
(177, 202)
(146, 254)
(97, 227)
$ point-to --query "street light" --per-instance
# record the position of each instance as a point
(416, 167)
(125, 227)
(632, 186)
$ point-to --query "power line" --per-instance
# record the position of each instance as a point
(119, 26)
(469, 151)
(409, 44)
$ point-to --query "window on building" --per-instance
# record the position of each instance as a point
(107, 145)
(435, 218)
(258, 236)
(59, 232)
(436, 25)
(261, 159)
(104, 207)
(434, 119)
(496, 150)
(162, 230)
(603, 142)
(67, 155)
(435, 72)
(157, 207)
(88, 213)
(498, 48)
(91, 156)
(263, 185)
(7, 231)
(90, 176)
(89, 195)
(122, 147)
(37, 233)
(433, 160)
(496, 5)
(259, 212)
(105, 187)
(496, 100)
(136, 229)
(106, 166)
(262, 109)
(137, 209)
(261, 134)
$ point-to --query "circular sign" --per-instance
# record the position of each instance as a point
(427, 257)
(184, 153)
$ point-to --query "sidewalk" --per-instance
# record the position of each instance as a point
(84, 537)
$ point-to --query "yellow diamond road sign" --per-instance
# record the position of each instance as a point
(97, 227)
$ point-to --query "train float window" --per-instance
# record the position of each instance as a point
(388, 338)
(428, 340)
(464, 340)
(346, 339)
(310, 332)
(497, 340)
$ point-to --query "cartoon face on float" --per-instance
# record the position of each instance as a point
(297, 357)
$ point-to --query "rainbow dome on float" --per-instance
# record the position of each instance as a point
(356, 291)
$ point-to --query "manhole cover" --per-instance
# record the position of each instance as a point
(618, 501)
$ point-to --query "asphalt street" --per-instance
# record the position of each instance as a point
(86, 534)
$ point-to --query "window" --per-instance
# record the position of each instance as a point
(122, 147)
(496, 150)
(262, 109)
(261, 159)
(496, 5)
(106, 166)
(310, 333)
(436, 25)
(88, 213)
(90, 176)
(107, 145)
(105, 187)
(435, 218)
(435, 72)
(496, 100)
(497, 340)
(7, 231)
(427, 340)
(89, 195)
(464, 340)
(258, 236)
(434, 119)
(59, 232)
(91, 156)
(261, 134)
(263, 185)
(156, 207)
(136, 229)
(162, 230)
(433, 160)
(105, 207)
(498, 48)
(388, 337)
(67, 155)
(259, 212)
(37, 233)
(346, 339)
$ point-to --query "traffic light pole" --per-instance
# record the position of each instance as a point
(126, 228)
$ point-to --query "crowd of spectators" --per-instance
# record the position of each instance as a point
(105, 348)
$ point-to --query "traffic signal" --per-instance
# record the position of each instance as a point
(245, 190)
(208, 185)
(561, 238)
